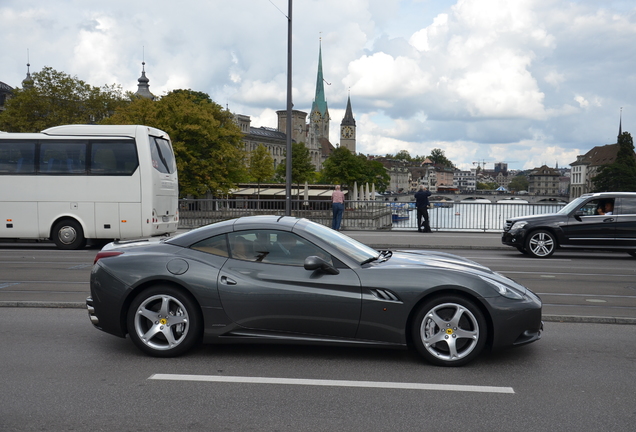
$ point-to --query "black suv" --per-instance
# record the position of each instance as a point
(592, 221)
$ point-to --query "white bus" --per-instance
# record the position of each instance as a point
(78, 182)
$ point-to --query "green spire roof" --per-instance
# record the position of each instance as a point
(320, 102)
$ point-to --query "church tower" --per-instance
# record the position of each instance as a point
(319, 116)
(143, 88)
(348, 129)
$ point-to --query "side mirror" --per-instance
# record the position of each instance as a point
(578, 214)
(316, 263)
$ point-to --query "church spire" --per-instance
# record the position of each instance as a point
(143, 88)
(620, 123)
(320, 102)
(28, 81)
(348, 117)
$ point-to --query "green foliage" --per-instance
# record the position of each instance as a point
(487, 186)
(438, 157)
(207, 143)
(619, 176)
(56, 98)
(302, 168)
(518, 183)
(261, 165)
(342, 167)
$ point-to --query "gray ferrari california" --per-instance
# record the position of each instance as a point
(281, 279)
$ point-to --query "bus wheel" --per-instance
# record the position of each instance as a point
(68, 234)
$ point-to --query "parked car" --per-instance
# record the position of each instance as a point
(277, 279)
(584, 223)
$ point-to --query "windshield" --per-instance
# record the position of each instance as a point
(572, 205)
(162, 157)
(352, 248)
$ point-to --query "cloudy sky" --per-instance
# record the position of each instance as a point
(523, 81)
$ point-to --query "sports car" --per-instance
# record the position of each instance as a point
(279, 279)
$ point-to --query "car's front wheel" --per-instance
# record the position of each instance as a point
(449, 331)
(164, 322)
(541, 244)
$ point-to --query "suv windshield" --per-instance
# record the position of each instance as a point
(577, 203)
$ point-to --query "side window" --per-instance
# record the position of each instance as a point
(628, 206)
(274, 247)
(17, 157)
(113, 158)
(590, 208)
(216, 245)
(63, 157)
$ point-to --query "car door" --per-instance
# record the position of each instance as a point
(585, 227)
(626, 221)
(264, 286)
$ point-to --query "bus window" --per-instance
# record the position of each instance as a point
(114, 158)
(17, 157)
(162, 157)
(63, 157)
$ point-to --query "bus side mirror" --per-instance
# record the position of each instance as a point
(316, 263)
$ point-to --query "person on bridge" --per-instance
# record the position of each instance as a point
(421, 202)
(337, 199)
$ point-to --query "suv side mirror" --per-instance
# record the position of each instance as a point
(578, 214)
(316, 263)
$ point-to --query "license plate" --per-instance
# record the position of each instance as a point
(165, 218)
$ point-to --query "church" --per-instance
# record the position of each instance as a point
(311, 129)
(315, 133)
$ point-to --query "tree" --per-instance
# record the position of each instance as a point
(619, 176)
(438, 158)
(55, 98)
(487, 186)
(261, 167)
(518, 183)
(302, 168)
(343, 167)
(208, 144)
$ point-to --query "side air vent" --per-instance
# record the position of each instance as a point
(384, 294)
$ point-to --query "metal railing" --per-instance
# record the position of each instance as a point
(363, 215)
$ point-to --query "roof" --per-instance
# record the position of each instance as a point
(5, 87)
(599, 155)
(268, 132)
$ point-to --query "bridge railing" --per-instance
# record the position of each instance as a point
(363, 215)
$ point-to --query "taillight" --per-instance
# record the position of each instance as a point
(106, 254)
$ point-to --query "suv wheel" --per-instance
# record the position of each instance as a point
(541, 244)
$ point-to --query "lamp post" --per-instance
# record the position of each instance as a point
(288, 131)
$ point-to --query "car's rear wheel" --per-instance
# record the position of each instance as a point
(541, 244)
(449, 331)
(164, 322)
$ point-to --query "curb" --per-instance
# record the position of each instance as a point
(546, 318)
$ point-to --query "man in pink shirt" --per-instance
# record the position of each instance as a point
(337, 206)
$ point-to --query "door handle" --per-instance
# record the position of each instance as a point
(608, 220)
(227, 281)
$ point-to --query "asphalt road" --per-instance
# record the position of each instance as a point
(58, 373)
(574, 286)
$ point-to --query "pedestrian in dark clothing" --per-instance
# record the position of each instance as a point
(421, 202)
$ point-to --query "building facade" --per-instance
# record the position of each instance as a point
(544, 181)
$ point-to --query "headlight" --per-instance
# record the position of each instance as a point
(504, 290)
(518, 225)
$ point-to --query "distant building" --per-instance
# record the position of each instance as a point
(5, 93)
(143, 88)
(544, 181)
(586, 166)
(466, 181)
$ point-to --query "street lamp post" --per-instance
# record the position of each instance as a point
(288, 131)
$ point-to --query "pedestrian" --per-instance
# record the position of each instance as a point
(337, 206)
(421, 202)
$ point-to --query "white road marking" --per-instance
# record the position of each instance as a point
(332, 383)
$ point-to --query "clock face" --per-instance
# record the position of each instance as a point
(316, 116)
(347, 132)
